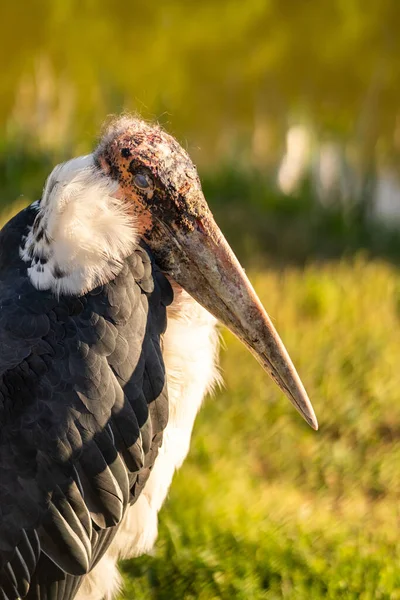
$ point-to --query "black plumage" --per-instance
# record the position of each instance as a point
(83, 404)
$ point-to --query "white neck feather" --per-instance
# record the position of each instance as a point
(82, 232)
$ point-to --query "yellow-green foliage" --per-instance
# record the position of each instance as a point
(226, 76)
(266, 508)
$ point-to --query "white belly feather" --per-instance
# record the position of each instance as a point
(190, 351)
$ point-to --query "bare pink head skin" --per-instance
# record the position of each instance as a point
(162, 189)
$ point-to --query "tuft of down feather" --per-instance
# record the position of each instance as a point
(82, 232)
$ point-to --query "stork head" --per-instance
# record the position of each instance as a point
(161, 187)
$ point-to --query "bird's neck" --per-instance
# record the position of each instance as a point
(82, 232)
(190, 352)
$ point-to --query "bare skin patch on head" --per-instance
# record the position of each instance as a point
(131, 146)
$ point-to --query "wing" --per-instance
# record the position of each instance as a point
(83, 405)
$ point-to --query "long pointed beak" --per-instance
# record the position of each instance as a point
(205, 266)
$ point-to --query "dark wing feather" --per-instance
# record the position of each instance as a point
(83, 404)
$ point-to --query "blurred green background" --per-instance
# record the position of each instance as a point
(290, 109)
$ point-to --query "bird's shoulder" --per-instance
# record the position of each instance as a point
(11, 236)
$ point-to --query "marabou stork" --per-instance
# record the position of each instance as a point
(110, 289)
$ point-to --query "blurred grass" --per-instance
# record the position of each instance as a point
(266, 227)
(265, 508)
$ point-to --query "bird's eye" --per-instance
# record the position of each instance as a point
(142, 181)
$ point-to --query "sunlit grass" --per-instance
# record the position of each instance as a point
(265, 508)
